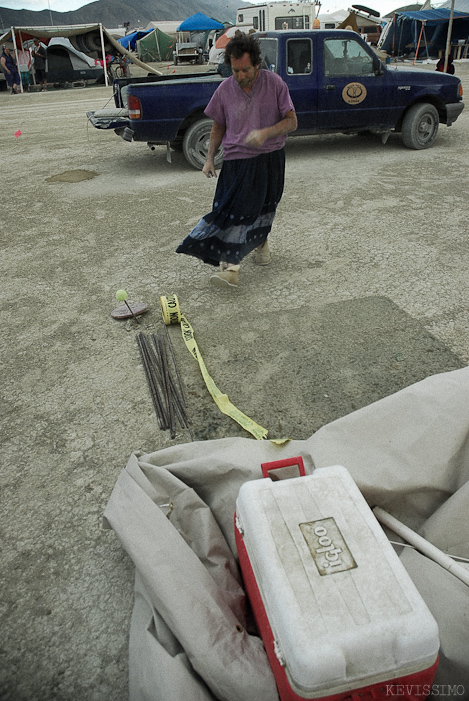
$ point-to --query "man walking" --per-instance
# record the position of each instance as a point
(252, 114)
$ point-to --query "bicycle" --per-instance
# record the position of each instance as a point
(119, 67)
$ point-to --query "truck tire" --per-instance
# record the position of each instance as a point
(420, 126)
(195, 144)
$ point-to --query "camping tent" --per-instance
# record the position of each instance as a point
(65, 64)
(199, 23)
(92, 39)
(459, 5)
(424, 31)
(228, 34)
(218, 49)
(129, 42)
(167, 26)
(156, 46)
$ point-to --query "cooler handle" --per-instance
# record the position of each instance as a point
(276, 464)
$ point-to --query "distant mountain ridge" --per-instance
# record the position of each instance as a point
(112, 13)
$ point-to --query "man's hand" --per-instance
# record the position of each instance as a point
(255, 138)
(209, 169)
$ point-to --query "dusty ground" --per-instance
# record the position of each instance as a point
(367, 293)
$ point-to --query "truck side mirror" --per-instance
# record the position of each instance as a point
(377, 66)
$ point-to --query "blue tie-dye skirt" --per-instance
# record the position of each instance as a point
(246, 198)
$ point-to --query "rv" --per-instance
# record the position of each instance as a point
(277, 15)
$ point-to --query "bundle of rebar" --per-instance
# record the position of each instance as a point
(164, 381)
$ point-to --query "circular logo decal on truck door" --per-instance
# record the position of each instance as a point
(354, 93)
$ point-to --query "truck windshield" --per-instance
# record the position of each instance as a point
(269, 53)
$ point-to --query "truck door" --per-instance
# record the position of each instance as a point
(301, 81)
(350, 94)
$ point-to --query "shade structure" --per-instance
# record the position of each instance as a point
(199, 23)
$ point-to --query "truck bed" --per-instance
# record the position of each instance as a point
(121, 83)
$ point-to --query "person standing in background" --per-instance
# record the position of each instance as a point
(24, 66)
(10, 70)
(39, 56)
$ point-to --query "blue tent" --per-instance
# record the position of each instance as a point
(199, 23)
(433, 17)
(129, 42)
(406, 29)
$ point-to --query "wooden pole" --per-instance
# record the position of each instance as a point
(418, 45)
(448, 38)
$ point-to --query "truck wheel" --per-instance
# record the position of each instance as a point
(420, 126)
(195, 144)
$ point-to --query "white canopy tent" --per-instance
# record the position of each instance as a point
(91, 39)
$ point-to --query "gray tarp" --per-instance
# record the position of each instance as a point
(408, 453)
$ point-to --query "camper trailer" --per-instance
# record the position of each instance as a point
(277, 15)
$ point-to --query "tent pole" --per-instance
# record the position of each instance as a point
(425, 39)
(16, 55)
(22, 51)
(104, 55)
(393, 34)
(448, 38)
(158, 45)
(418, 43)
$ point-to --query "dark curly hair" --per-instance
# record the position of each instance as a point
(242, 44)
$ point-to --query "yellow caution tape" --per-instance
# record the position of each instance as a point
(172, 315)
(170, 310)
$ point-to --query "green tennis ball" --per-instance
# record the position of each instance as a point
(121, 295)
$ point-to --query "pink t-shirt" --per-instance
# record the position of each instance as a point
(266, 104)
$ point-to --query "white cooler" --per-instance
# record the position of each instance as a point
(338, 613)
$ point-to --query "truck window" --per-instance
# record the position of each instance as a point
(346, 57)
(299, 57)
(269, 52)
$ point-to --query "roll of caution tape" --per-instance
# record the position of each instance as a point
(172, 315)
(170, 310)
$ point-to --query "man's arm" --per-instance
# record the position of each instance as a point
(216, 135)
(285, 126)
(4, 64)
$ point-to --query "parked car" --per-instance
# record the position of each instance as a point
(188, 53)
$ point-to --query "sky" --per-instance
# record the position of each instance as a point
(381, 6)
(57, 5)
